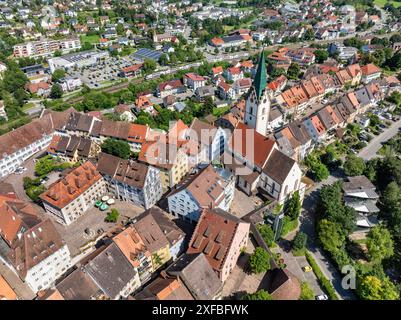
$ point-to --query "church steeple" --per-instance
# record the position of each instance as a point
(260, 80)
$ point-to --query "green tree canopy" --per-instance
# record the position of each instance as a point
(56, 92)
(380, 244)
(112, 216)
(258, 295)
(330, 235)
(293, 206)
(58, 74)
(267, 234)
(299, 241)
(354, 166)
(294, 71)
(259, 261)
(321, 55)
(149, 65)
(116, 148)
(372, 288)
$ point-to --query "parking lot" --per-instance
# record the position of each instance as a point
(102, 74)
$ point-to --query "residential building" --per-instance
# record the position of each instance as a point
(75, 193)
(175, 236)
(165, 288)
(360, 194)
(211, 139)
(45, 47)
(153, 237)
(73, 148)
(194, 81)
(109, 268)
(22, 143)
(78, 285)
(197, 275)
(315, 128)
(3, 113)
(170, 159)
(131, 181)
(221, 237)
(134, 249)
(40, 256)
(370, 72)
(171, 87)
(209, 188)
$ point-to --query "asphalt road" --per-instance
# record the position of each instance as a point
(307, 225)
(375, 144)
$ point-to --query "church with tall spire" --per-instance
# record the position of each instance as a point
(258, 103)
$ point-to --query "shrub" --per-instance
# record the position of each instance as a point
(112, 216)
(267, 234)
(299, 241)
(306, 292)
(324, 282)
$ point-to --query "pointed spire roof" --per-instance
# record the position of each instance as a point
(260, 80)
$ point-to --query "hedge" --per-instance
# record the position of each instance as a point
(324, 282)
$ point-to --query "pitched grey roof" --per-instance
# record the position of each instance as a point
(197, 275)
(77, 286)
(110, 270)
(278, 166)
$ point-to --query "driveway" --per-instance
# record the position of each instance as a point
(295, 265)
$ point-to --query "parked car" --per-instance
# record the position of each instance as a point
(322, 297)
(307, 269)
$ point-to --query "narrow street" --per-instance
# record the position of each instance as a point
(307, 225)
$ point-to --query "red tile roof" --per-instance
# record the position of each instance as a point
(67, 189)
(259, 151)
(370, 69)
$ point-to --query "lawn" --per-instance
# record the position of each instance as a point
(217, 112)
(91, 39)
(381, 3)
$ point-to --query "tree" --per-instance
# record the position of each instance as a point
(331, 207)
(56, 91)
(321, 55)
(116, 148)
(330, 235)
(164, 59)
(372, 288)
(267, 234)
(258, 295)
(294, 71)
(149, 65)
(317, 169)
(293, 206)
(354, 166)
(44, 166)
(394, 63)
(380, 244)
(112, 216)
(299, 241)
(58, 74)
(395, 38)
(259, 261)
